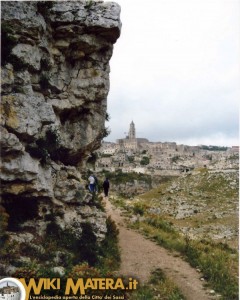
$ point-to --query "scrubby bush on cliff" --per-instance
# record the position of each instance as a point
(86, 248)
(84, 271)
(80, 257)
(9, 251)
(47, 146)
(27, 272)
(109, 254)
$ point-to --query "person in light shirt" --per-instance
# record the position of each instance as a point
(91, 183)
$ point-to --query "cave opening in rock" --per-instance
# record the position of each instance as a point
(20, 210)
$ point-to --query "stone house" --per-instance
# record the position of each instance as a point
(104, 162)
(9, 293)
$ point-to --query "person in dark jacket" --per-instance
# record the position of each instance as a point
(106, 186)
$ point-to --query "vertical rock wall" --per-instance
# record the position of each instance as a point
(55, 82)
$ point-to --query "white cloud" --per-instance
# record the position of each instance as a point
(175, 70)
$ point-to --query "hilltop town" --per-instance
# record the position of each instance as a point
(9, 293)
(133, 154)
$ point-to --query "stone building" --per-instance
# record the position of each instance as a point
(132, 131)
(165, 158)
(9, 293)
(131, 142)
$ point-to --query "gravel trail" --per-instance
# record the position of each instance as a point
(140, 256)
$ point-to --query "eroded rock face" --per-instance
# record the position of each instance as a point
(56, 72)
(55, 82)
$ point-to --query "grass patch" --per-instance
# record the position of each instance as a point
(109, 254)
(119, 177)
(139, 209)
(119, 202)
(158, 287)
(218, 262)
(169, 241)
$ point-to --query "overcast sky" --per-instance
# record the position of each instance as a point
(175, 71)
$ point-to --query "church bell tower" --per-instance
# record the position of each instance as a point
(132, 131)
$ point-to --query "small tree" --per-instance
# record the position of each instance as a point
(145, 161)
(131, 159)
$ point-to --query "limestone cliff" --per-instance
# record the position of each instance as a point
(55, 82)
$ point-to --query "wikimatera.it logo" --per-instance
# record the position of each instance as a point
(73, 289)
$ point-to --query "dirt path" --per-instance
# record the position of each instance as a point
(140, 256)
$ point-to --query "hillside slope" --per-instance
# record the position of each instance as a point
(195, 215)
(201, 205)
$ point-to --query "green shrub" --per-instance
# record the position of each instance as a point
(89, 4)
(131, 159)
(142, 293)
(107, 117)
(47, 146)
(175, 158)
(83, 270)
(160, 223)
(104, 133)
(119, 177)
(138, 209)
(109, 254)
(84, 248)
(87, 245)
(145, 161)
(158, 287)
(26, 272)
(9, 250)
(216, 263)
(29, 250)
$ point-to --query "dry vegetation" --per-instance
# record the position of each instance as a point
(196, 215)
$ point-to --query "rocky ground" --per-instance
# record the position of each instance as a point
(204, 205)
(196, 215)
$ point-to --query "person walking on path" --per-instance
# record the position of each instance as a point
(106, 186)
(91, 183)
